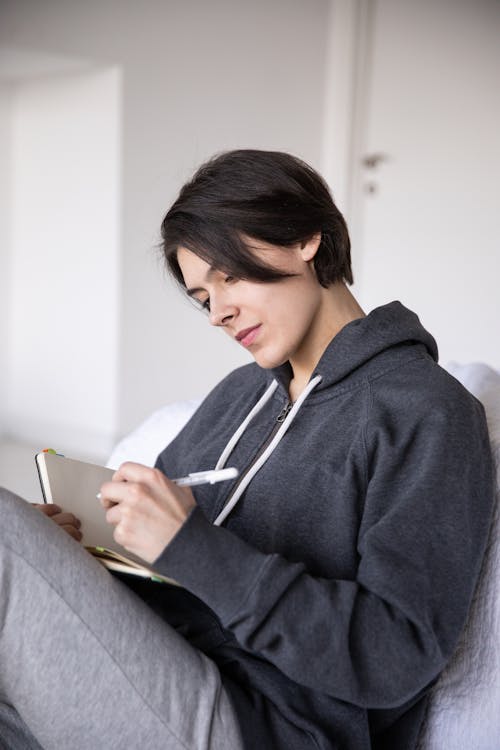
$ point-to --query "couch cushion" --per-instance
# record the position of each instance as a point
(464, 710)
(148, 439)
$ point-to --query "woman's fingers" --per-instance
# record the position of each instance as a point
(72, 531)
(67, 521)
(134, 472)
(114, 492)
(48, 509)
(145, 507)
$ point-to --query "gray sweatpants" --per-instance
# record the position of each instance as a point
(84, 663)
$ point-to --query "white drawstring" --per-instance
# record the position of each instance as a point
(241, 429)
(270, 448)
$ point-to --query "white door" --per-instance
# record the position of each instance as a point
(427, 218)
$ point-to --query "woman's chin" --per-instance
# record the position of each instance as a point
(268, 361)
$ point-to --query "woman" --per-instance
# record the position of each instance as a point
(326, 587)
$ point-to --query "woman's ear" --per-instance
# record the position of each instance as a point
(309, 248)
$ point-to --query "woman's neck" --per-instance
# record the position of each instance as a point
(338, 308)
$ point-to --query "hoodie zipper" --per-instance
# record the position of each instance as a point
(279, 421)
(283, 414)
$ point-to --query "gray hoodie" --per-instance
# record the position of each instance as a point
(334, 592)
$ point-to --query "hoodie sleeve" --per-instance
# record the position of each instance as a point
(379, 639)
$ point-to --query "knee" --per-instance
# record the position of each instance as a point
(10, 497)
(12, 505)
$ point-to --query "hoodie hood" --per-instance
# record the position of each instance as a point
(357, 351)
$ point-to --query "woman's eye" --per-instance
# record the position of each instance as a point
(200, 304)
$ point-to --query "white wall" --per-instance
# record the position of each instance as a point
(5, 224)
(64, 270)
(198, 77)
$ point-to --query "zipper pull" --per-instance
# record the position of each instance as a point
(283, 413)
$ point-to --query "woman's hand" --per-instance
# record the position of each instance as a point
(66, 521)
(146, 508)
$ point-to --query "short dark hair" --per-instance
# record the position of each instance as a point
(249, 194)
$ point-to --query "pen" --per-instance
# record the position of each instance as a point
(207, 477)
(203, 477)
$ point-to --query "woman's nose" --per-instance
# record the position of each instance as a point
(221, 313)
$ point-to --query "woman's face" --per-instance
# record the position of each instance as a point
(276, 321)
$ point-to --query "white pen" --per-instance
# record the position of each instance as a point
(203, 477)
(207, 477)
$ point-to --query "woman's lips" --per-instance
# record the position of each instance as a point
(248, 336)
